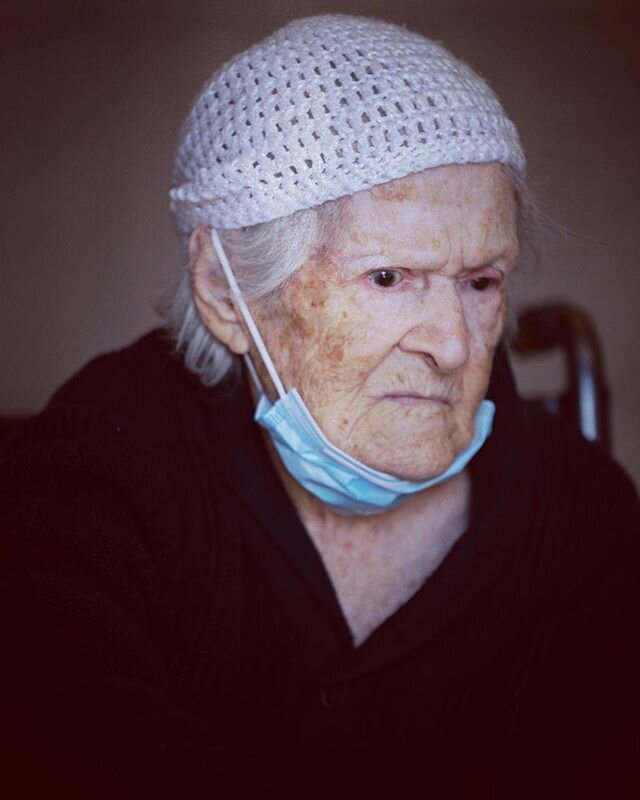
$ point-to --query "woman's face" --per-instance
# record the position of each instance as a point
(389, 335)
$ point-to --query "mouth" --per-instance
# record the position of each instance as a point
(414, 398)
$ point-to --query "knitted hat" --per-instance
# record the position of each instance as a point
(325, 107)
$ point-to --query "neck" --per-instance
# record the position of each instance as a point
(377, 563)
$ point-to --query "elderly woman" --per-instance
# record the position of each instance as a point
(343, 555)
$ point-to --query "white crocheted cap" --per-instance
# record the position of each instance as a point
(325, 107)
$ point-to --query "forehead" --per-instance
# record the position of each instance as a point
(469, 208)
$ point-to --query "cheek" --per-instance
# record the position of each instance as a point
(312, 337)
(359, 329)
(485, 329)
(280, 332)
(337, 352)
(486, 319)
(349, 345)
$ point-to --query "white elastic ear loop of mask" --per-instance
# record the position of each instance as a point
(246, 315)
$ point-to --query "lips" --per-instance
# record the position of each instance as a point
(416, 397)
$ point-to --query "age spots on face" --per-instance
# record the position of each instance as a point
(336, 353)
(398, 191)
(303, 301)
(357, 237)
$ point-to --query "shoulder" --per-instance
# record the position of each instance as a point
(139, 396)
(121, 479)
(569, 468)
(103, 453)
(579, 513)
(134, 426)
(136, 389)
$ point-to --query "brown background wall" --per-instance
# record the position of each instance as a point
(94, 92)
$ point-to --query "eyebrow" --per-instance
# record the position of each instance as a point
(507, 254)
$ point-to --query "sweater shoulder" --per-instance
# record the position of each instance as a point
(583, 506)
(133, 428)
(569, 463)
(135, 389)
(108, 437)
(121, 462)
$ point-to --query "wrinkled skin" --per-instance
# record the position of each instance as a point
(389, 335)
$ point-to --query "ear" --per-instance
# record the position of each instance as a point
(211, 294)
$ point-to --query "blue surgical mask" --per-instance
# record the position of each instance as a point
(343, 483)
(340, 481)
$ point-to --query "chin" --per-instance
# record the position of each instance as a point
(419, 463)
(420, 451)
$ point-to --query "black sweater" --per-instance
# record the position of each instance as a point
(169, 629)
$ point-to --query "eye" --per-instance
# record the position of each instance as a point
(482, 283)
(385, 278)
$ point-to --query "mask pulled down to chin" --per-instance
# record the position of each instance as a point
(342, 482)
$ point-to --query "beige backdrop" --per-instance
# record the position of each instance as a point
(93, 95)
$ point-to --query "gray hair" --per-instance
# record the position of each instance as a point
(266, 255)
(263, 257)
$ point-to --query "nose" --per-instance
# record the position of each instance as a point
(439, 329)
